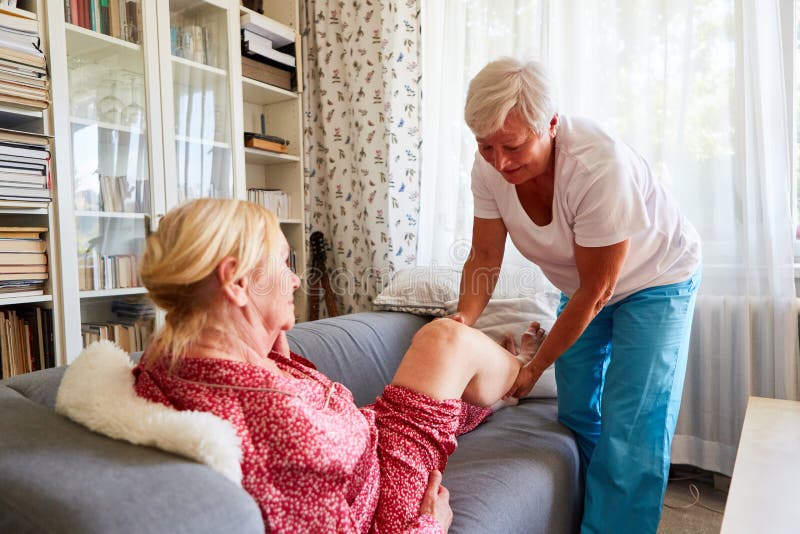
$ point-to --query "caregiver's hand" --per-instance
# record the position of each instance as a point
(528, 376)
(457, 317)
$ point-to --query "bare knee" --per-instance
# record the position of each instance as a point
(440, 338)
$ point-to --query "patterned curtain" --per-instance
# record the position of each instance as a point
(362, 141)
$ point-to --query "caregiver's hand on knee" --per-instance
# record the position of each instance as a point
(528, 376)
(436, 501)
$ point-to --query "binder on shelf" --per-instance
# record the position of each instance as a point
(279, 34)
(266, 142)
(256, 45)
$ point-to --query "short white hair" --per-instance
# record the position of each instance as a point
(508, 84)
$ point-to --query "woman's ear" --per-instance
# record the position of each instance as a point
(234, 290)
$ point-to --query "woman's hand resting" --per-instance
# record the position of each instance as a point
(436, 501)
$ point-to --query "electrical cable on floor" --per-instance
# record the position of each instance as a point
(695, 492)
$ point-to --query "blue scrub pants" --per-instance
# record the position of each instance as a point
(619, 391)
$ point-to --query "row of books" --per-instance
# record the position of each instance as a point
(117, 18)
(26, 340)
(274, 200)
(190, 42)
(23, 261)
(117, 195)
(23, 67)
(131, 337)
(24, 167)
(96, 271)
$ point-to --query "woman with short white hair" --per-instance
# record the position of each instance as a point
(586, 208)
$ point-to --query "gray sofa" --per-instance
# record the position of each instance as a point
(519, 472)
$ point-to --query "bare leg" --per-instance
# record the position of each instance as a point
(449, 360)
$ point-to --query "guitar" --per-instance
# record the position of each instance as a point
(319, 283)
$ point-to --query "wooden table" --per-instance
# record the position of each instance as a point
(765, 489)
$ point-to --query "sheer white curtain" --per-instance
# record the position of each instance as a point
(697, 86)
(458, 38)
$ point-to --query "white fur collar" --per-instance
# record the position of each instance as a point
(97, 392)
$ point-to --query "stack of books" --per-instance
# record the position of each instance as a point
(24, 168)
(268, 51)
(114, 271)
(274, 200)
(26, 341)
(116, 18)
(23, 261)
(23, 74)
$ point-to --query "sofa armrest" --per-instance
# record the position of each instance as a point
(362, 350)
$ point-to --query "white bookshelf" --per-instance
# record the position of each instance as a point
(167, 141)
(283, 112)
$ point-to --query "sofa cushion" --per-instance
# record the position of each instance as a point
(362, 351)
(517, 473)
(58, 477)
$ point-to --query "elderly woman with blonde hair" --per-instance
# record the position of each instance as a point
(586, 208)
(312, 460)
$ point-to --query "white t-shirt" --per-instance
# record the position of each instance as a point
(604, 193)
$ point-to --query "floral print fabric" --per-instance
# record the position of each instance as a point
(362, 140)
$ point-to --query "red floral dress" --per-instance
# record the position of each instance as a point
(312, 460)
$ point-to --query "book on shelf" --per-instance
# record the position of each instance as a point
(274, 200)
(24, 150)
(22, 232)
(20, 288)
(12, 22)
(16, 203)
(20, 40)
(8, 66)
(23, 269)
(22, 245)
(23, 258)
(25, 193)
(33, 277)
(28, 181)
(268, 74)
